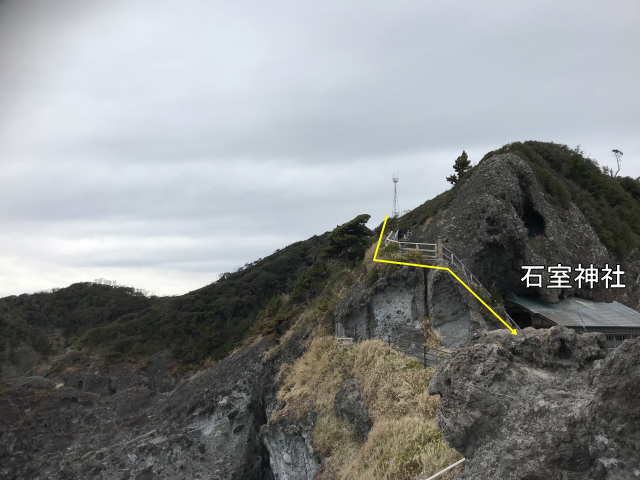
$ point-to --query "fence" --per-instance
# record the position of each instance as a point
(446, 256)
(430, 250)
(429, 356)
(456, 264)
(341, 335)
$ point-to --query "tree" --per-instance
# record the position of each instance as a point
(462, 167)
(618, 154)
(350, 240)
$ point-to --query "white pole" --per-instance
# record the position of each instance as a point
(446, 469)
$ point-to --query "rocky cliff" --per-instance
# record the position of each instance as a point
(243, 379)
(86, 420)
(504, 216)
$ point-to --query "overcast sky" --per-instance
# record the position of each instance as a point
(160, 143)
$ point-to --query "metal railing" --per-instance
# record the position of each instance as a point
(512, 322)
(442, 253)
(428, 249)
(457, 264)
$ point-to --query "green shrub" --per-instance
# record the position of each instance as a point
(350, 240)
(389, 251)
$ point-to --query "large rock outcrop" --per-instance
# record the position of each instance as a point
(290, 448)
(133, 424)
(546, 405)
(405, 304)
(497, 220)
(501, 218)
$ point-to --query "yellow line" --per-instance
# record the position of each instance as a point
(375, 259)
(384, 225)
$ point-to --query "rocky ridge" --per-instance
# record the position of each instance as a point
(501, 218)
(554, 404)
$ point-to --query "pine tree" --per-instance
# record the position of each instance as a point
(462, 166)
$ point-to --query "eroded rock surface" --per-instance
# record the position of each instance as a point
(501, 218)
(291, 453)
(405, 302)
(547, 405)
(135, 425)
(349, 406)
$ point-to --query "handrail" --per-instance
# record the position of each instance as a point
(448, 256)
(429, 248)
(512, 322)
(434, 245)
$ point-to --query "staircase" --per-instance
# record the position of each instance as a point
(444, 257)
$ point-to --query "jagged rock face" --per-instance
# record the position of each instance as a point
(132, 425)
(291, 453)
(349, 406)
(551, 404)
(453, 314)
(500, 218)
(404, 302)
(289, 446)
(392, 309)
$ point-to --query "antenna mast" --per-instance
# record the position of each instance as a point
(396, 212)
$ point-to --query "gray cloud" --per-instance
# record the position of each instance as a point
(168, 141)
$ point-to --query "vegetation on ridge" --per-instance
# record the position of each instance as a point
(611, 205)
(462, 168)
(259, 298)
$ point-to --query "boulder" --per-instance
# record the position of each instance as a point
(546, 404)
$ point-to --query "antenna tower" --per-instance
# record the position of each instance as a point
(396, 179)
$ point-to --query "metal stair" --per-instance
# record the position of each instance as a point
(446, 257)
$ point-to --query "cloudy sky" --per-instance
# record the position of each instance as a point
(159, 143)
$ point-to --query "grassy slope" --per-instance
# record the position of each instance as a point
(404, 440)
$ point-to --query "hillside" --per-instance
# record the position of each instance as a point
(206, 323)
(243, 379)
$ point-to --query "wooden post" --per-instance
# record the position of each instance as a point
(439, 250)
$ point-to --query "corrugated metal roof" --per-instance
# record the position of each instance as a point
(576, 312)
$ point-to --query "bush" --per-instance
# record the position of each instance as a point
(350, 240)
(389, 251)
(631, 185)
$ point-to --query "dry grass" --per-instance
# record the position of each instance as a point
(404, 440)
(393, 385)
(330, 431)
(400, 449)
(311, 383)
